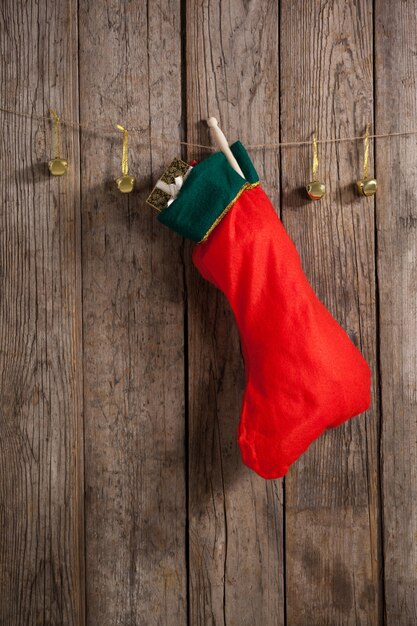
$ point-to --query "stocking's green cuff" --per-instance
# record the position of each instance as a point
(208, 193)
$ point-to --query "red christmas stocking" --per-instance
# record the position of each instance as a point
(303, 373)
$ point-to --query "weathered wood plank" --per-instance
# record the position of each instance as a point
(331, 493)
(133, 320)
(41, 458)
(235, 517)
(396, 110)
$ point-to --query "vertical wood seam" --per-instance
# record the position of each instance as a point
(280, 183)
(380, 551)
(83, 583)
(184, 249)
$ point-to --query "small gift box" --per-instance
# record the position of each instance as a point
(169, 185)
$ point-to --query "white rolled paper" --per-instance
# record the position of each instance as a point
(221, 142)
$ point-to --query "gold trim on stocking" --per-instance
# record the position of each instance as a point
(228, 207)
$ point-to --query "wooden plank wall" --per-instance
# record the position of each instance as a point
(396, 110)
(123, 499)
(332, 493)
(41, 420)
(133, 325)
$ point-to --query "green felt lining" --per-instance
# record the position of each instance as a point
(207, 191)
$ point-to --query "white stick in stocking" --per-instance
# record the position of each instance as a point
(222, 144)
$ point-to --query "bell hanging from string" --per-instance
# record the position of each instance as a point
(315, 189)
(125, 183)
(57, 166)
(367, 186)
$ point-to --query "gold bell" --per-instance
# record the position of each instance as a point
(126, 183)
(316, 190)
(57, 167)
(367, 186)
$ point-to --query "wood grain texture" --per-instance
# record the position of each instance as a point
(396, 161)
(331, 493)
(133, 320)
(41, 460)
(123, 498)
(235, 517)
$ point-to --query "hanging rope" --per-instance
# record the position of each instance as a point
(162, 139)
